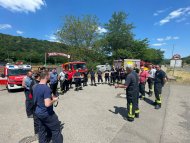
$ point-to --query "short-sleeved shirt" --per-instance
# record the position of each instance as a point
(152, 73)
(62, 76)
(143, 76)
(99, 73)
(159, 76)
(53, 78)
(41, 92)
(131, 82)
(92, 74)
(28, 82)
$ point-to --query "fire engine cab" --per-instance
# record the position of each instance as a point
(13, 75)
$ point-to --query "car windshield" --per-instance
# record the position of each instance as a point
(17, 72)
(79, 66)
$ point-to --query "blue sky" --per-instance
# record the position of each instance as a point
(164, 22)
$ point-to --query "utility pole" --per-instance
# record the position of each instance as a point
(174, 59)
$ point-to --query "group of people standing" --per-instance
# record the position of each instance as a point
(39, 105)
(115, 75)
(40, 96)
(135, 83)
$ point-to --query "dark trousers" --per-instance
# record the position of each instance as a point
(93, 81)
(36, 124)
(85, 81)
(28, 103)
(142, 89)
(53, 88)
(136, 102)
(113, 79)
(77, 82)
(100, 79)
(70, 83)
(150, 85)
(107, 80)
(61, 85)
(50, 128)
(158, 92)
(66, 85)
(131, 104)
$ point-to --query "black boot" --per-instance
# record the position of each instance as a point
(136, 115)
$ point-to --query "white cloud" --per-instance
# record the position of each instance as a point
(160, 11)
(19, 32)
(22, 5)
(52, 38)
(179, 13)
(160, 39)
(158, 44)
(167, 38)
(101, 30)
(5, 26)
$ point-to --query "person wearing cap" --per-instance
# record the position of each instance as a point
(160, 79)
(143, 75)
(130, 85)
(150, 80)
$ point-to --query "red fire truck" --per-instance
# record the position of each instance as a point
(13, 75)
(73, 66)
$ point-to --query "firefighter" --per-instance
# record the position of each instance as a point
(143, 79)
(28, 102)
(107, 75)
(136, 102)
(92, 76)
(112, 82)
(122, 74)
(85, 79)
(99, 73)
(150, 80)
(77, 78)
(160, 79)
(131, 88)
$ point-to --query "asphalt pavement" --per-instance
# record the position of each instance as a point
(97, 115)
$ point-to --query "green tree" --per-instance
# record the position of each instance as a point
(119, 35)
(79, 31)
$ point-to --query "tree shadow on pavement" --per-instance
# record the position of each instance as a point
(120, 110)
(149, 101)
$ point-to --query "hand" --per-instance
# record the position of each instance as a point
(116, 86)
(54, 98)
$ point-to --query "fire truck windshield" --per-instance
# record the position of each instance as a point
(79, 65)
(12, 72)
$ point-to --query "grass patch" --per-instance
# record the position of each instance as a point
(180, 75)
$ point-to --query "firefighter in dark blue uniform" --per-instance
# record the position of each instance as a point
(131, 88)
(160, 79)
(136, 104)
